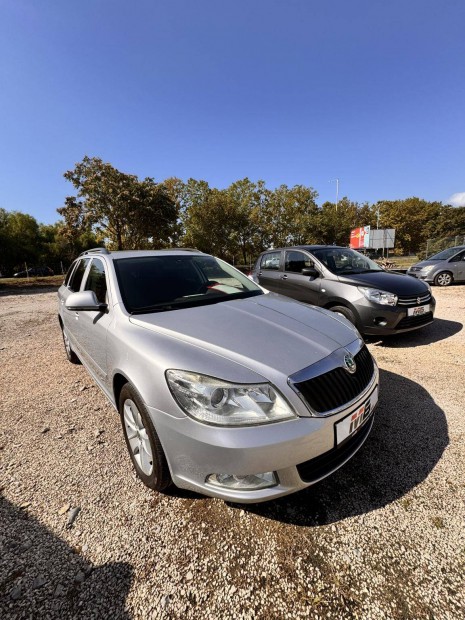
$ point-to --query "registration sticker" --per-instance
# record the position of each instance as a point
(418, 310)
(355, 420)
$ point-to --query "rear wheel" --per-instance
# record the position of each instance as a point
(345, 312)
(142, 441)
(443, 279)
(70, 354)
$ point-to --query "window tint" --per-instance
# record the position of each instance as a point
(155, 283)
(69, 273)
(76, 278)
(270, 261)
(296, 261)
(96, 280)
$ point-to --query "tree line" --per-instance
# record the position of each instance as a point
(121, 211)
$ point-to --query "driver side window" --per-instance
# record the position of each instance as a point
(296, 261)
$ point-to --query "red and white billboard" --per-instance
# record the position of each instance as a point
(360, 237)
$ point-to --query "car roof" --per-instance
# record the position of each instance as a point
(309, 248)
(138, 253)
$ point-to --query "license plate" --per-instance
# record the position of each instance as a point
(355, 420)
(418, 310)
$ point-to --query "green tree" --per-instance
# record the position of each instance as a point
(121, 209)
(411, 219)
(289, 215)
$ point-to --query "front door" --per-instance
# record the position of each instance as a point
(269, 274)
(296, 285)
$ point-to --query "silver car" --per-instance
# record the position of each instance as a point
(222, 388)
(442, 269)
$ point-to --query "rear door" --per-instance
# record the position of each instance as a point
(294, 284)
(93, 325)
(457, 265)
(269, 273)
(70, 317)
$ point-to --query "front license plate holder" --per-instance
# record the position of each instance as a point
(418, 310)
(354, 421)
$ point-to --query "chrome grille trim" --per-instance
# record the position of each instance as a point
(412, 300)
(327, 371)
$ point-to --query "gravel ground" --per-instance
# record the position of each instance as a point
(381, 538)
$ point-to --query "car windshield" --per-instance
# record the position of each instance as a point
(163, 283)
(343, 261)
(445, 254)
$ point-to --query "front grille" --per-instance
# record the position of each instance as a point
(415, 321)
(338, 387)
(414, 300)
(321, 466)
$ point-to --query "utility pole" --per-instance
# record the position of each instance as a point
(337, 190)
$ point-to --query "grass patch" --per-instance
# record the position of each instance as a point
(12, 284)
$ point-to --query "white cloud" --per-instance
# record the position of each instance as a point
(457, 199)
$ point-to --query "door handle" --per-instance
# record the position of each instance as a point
(284, 277)
(76, 315)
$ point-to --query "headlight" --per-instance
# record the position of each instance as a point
(427, 269)
(213, 401)
(379, 297)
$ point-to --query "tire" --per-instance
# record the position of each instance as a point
(443, 279)
(142, 441)
(70, 354)
(346, 312)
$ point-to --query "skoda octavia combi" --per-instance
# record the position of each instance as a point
(221, 388)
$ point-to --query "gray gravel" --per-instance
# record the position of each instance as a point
(81, 537)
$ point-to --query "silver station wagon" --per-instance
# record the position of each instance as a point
(222, 388)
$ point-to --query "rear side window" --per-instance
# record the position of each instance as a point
(78, 274)
(296, 261)
(96, 280)
(270, 260)
(69, 273)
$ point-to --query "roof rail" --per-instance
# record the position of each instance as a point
(184, 249)
(95, 251)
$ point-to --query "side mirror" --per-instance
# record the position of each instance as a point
(311, 272)
(85, 300)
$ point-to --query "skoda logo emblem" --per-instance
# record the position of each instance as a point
(350, 364)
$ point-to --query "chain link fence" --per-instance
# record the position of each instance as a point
(433, 246)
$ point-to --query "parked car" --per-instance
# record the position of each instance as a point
(34, 271)
(348, 283)
(441, 269)
(221, 388)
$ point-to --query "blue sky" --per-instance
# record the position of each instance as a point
(292, 91)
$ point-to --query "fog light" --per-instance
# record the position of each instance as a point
(252, 482)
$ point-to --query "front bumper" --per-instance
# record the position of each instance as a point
(300, 452)
(390, 320)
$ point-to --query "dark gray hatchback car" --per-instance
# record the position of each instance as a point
(344, 281)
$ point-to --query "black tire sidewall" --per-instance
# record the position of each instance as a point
(346, 312)
(160, 477)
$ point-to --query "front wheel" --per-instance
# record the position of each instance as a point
(70, 354)
(142, 441)
(443, 279)
(345, 312)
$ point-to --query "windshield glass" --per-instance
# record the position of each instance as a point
(445, 254)
(161, 283)
(343, 261)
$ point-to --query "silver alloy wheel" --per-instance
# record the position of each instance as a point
(444, 279)
(137, 437)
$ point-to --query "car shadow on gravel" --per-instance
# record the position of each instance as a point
(440, 329)
(408, 438)
(42, 576)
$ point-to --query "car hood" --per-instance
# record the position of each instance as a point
(397, 283)
(425, 263)
(264, 332)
